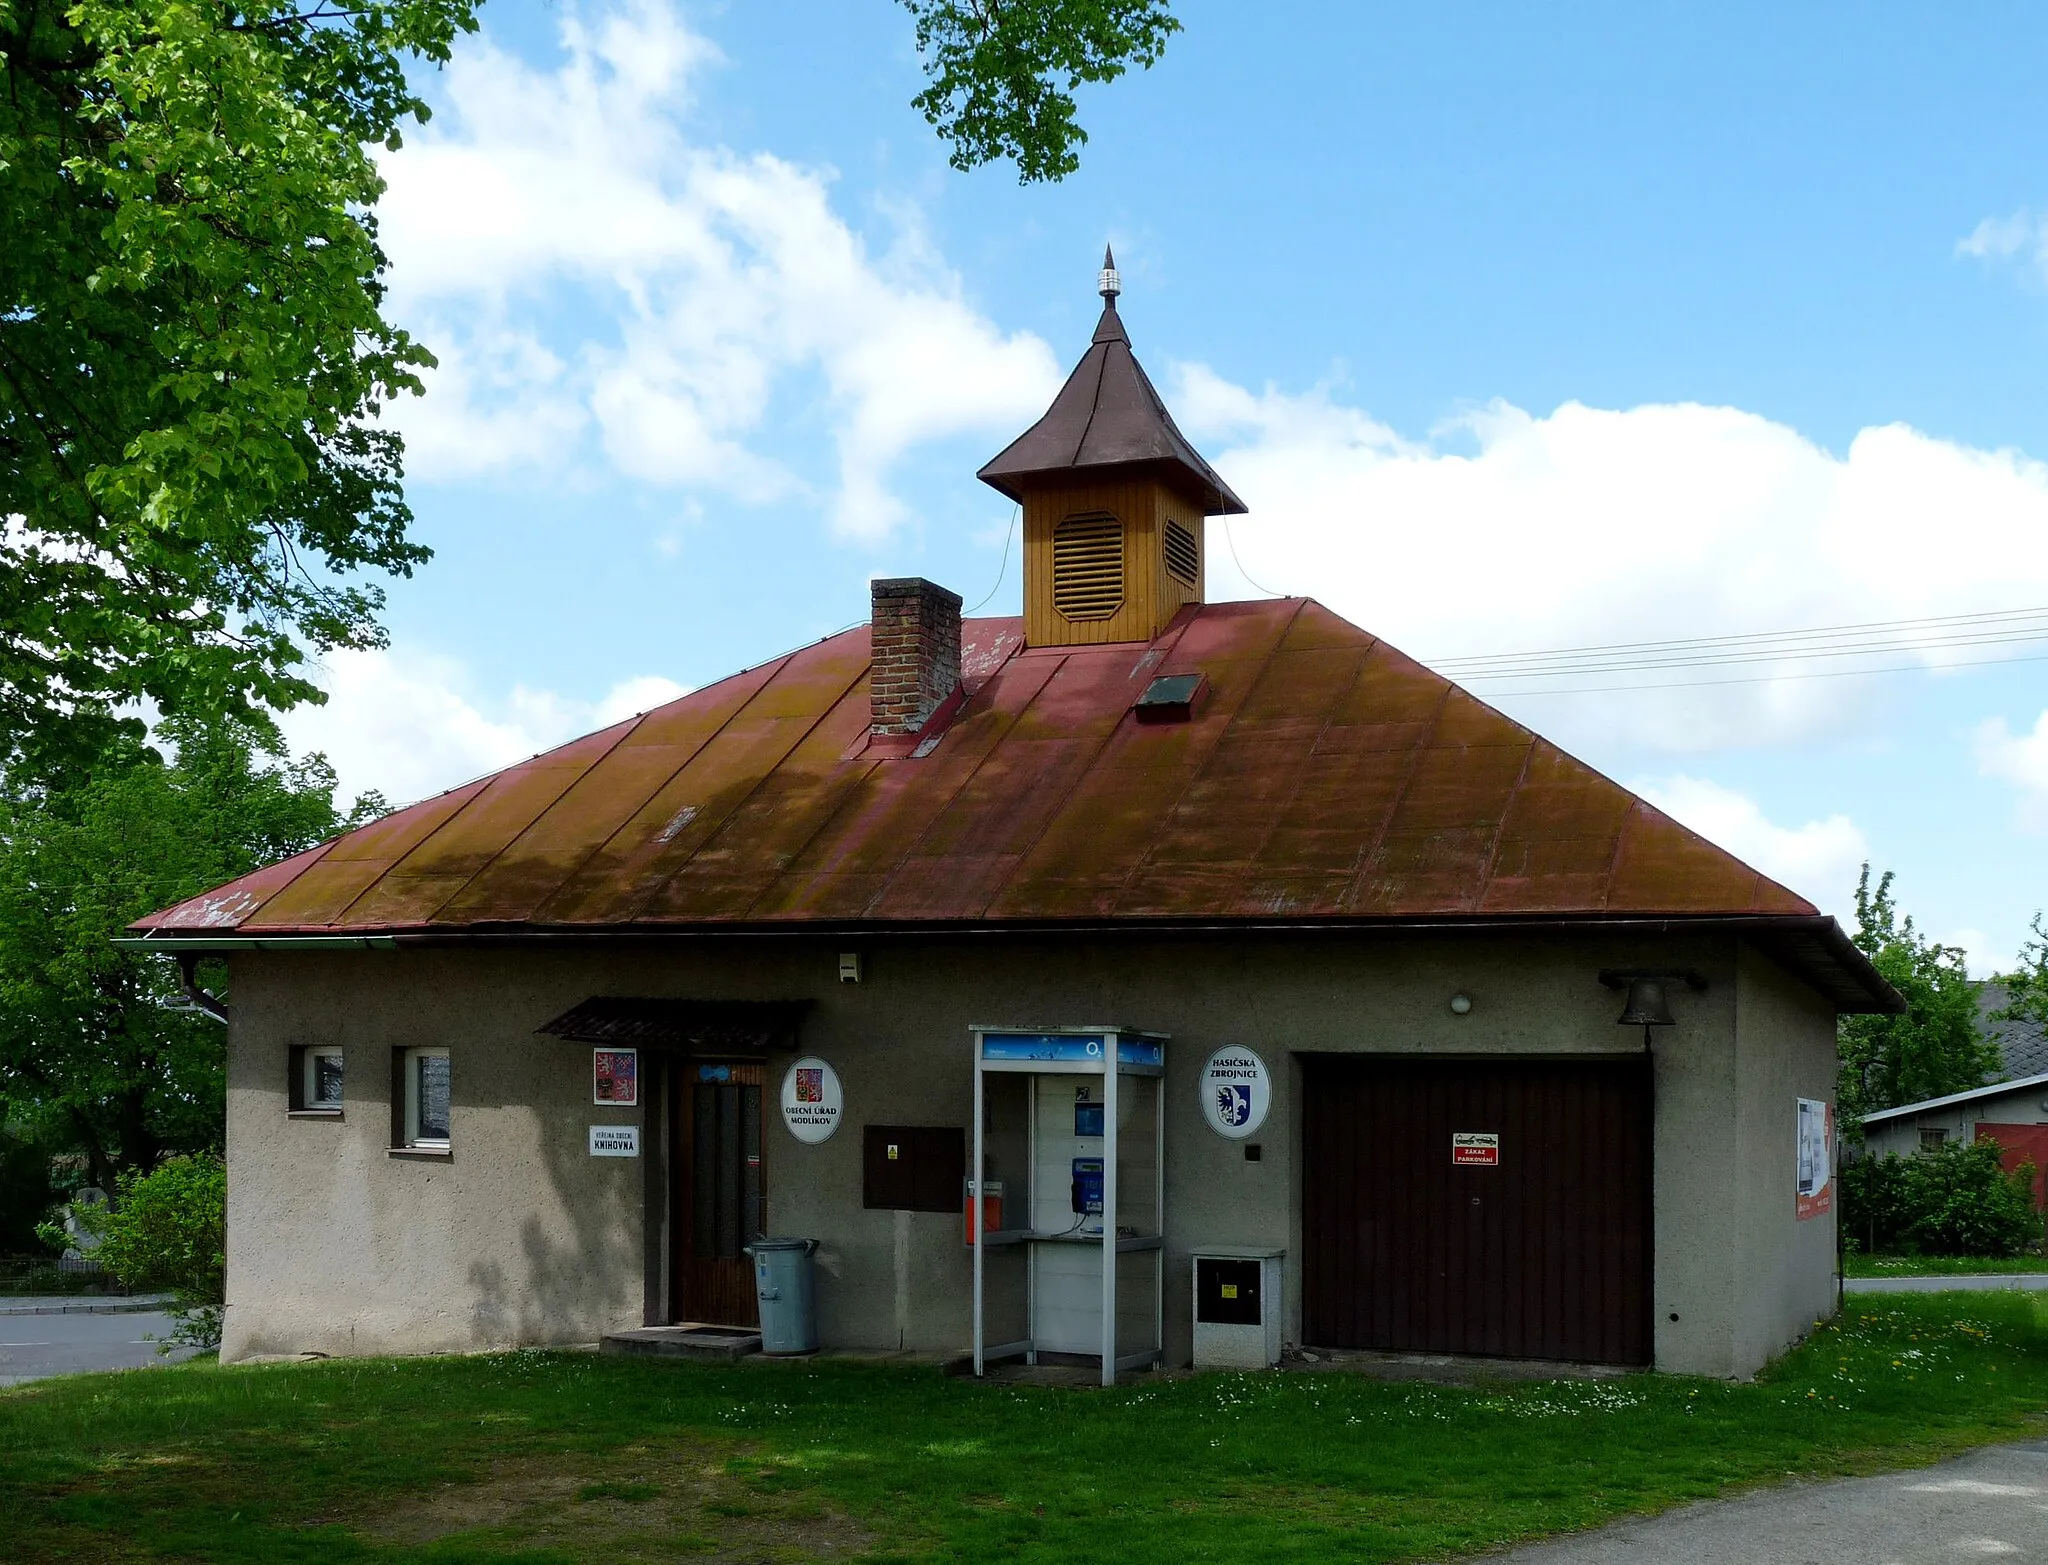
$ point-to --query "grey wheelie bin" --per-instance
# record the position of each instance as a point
(785, 1283)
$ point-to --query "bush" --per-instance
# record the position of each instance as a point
(1952, 1200)
(168, 1230)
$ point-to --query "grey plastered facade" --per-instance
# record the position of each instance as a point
(519, 1236)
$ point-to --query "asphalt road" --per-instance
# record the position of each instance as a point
(1967, 1282)
(1989, 1505)
(35, 1346)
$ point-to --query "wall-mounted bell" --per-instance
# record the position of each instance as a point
(1647, 1004)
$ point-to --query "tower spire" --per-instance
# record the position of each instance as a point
(1115, 499)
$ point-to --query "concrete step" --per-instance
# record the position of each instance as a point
(716, 1344)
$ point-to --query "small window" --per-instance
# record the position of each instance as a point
(323, 1080)
(314, 1086)
(423, 1099)
(1931, 1139)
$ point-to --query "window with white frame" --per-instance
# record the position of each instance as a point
(426, 1098)
(320, 1087)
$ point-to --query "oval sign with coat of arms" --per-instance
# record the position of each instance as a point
(811, 1100)
(1236, 1092)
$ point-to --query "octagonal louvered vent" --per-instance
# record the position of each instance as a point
(1088, 567)
(1182, 560)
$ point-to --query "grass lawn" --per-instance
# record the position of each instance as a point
(546, 1458)
(1939, 1265)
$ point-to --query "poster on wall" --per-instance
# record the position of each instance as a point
(615, 1077)
(1816, 1158)
(811, 1100)
(1236, 1092)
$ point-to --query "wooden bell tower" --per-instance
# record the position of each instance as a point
(1115, 500)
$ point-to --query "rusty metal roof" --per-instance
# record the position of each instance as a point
(1108, 418)
(1323, 777)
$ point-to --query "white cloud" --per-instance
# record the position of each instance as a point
(1981, 955)
(719, 281)
(407, 725)
(1819, 860)
(1508, 531)
(2019, 759)
(2003, 238)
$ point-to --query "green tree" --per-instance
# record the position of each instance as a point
(1955, 1199)
(195, 483)
(2026, 987)
(168, 1229)
(100, 1054)
(1003, 72)
(1937, 1046)
(193, 354)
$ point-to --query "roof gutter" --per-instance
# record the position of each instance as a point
(1812, 930)
(178, 945)
(203, 1001)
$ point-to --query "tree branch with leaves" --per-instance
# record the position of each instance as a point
(1938, 1046)
(1003, 73)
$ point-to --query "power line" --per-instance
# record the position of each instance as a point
(1759, 679)
(1762, 635)
(1874, 638)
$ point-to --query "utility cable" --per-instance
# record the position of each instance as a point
(1015, 512)
(1761, 679)
(1869, 639)
(1231, 540)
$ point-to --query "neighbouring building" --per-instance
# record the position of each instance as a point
(1214, 930)
(2012, 1113)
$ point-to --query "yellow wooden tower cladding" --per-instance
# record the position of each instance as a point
(1115, 500)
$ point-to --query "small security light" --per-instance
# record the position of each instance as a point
(1461, 1004)
(849, 967)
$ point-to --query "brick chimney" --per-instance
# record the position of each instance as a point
(916, 651)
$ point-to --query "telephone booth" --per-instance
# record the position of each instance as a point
(1072, 1122)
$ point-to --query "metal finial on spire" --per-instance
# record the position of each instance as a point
(1107, 282)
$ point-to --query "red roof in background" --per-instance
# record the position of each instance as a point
(1322, 776)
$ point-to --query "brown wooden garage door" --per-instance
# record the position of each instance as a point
(1545, 1254)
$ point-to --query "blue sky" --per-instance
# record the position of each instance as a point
(1518, 328)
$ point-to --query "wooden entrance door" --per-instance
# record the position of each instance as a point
(1408, 1246)
(720, 1197)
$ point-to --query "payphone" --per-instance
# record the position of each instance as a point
(1081, 1109)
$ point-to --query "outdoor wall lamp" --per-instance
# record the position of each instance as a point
(1649, 1003)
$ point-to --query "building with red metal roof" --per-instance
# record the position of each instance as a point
(1253, 831)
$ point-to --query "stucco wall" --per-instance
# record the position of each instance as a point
(519, 1236)
(1785, 1051)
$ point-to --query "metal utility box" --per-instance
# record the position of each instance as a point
(1238, 1308)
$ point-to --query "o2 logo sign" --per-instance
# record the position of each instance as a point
(1236, 1092)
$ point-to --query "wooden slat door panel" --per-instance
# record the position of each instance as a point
(1546, 1255)
(719, 1199)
